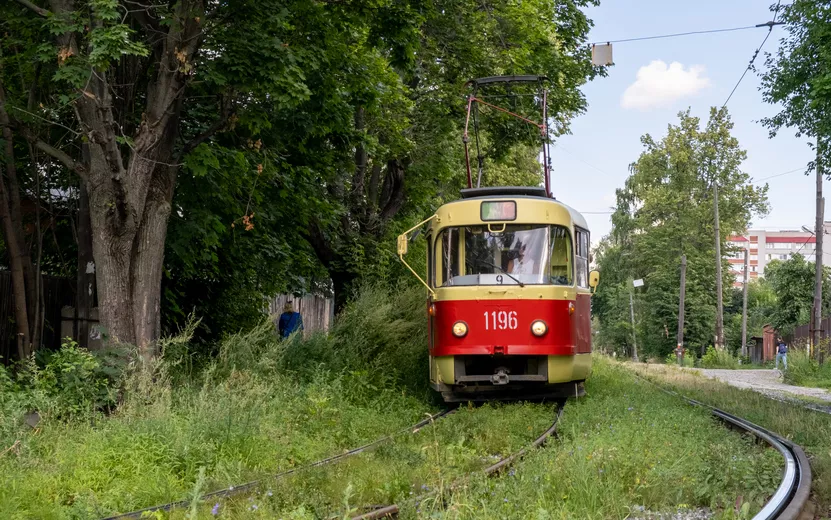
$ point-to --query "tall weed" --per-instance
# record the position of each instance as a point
(379, 339)
(718, 359)
(804, 371)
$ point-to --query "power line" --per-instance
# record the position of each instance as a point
(676, 34)
(769, 25)
(780, 174)
(574, 155)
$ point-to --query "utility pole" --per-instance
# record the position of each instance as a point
(744, 308)
(819, 232)
(632, 317)
(720, 307)
(679, 352)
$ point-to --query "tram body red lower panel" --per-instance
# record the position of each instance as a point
(504, 327)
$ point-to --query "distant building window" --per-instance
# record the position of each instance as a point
(783, 257)
(768, 257)
(754, 257)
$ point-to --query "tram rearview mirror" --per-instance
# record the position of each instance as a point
(594, 279)
(402, 245)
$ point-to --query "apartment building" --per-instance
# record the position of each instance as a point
(766, 245)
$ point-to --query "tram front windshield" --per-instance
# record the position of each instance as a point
(518, 253)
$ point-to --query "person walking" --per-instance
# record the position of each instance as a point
(781, 353)
(290, 321)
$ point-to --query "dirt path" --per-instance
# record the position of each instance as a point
(766, 381)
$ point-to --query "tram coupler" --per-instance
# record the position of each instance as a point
(500, 377)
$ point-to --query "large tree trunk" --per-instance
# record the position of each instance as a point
(130, 205)
(149, 257)
(12, 230)
(14, 248)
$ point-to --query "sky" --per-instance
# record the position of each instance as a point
(651, 81)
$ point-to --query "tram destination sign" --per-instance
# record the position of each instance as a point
(498, 210)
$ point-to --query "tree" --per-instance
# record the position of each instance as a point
(761, 307)
(665, 210)
(799, 78)
(393, 178)
(798, 75)
(792, 283)
(237, 149)
(144, 85)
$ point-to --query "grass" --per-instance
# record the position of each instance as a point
(809, 429)
(264, 406)
(719, 359)
(623, 450)
(804, 371)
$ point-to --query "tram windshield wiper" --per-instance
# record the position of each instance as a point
(505, 272)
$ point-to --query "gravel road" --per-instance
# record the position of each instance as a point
(766, 381)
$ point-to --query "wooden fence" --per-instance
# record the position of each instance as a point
(57, 293)
(318, 312)
(802, 334)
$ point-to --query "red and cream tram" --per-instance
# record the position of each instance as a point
(508, 276)
(509, 306)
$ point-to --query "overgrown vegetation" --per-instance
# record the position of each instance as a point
(187, 425)
(804, 371)
(718, 359)
(809, 429)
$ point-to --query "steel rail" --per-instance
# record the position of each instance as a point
(392, 510)
(234, 490)
(791, 496)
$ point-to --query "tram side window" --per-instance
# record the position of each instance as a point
(448, 264)
(582, 258)
(561, 264)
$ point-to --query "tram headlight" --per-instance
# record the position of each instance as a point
(539, 328)
(460, 329)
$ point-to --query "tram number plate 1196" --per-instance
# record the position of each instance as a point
(501, 320)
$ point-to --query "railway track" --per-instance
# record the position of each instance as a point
(249, 486)
(392, 510)
(790, 501)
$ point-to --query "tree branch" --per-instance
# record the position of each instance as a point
(227, 112)
(39, 10)
(63, 157)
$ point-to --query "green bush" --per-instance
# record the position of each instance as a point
(380, 338)
(689, 359)
(718, 359)
(73, 381)
(804, 371)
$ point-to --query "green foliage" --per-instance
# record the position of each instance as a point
(804, 371)
(379, 339)
(665, 210)
(74, 381)
(689, 359)
(718, 359)
(792, 281)
(797, 76)
(282, 99)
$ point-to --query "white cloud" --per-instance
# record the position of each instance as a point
(659, 86)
